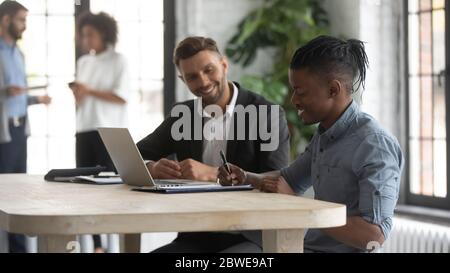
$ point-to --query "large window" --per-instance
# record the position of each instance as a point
(50, 52)
(428, 182)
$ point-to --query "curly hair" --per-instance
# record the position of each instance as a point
(103, 23)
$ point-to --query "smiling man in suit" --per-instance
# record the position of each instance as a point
(252, 133)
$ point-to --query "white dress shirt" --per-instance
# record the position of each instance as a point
(215, 133)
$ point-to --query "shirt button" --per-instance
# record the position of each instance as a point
(321, 150)
(377, 193)
(318, 176)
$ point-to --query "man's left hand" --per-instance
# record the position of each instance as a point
(276, 185)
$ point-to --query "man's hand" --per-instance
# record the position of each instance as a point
(44, 99)
(15, 90)
(237, 176)
(165, 169)
(194, 170)
(276, 185)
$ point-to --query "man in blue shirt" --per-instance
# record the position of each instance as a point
(351, 160)
(14, 99)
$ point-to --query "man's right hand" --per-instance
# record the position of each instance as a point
(15, 90)
(237, 176)
(165, 169)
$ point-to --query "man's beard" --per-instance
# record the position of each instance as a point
(220, 91)
(14, 33)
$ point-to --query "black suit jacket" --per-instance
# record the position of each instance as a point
(245, 154)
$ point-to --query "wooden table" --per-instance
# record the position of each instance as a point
(57, 212)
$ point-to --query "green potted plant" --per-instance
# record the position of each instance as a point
(281, 25)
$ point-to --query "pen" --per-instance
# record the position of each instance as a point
(225, 163)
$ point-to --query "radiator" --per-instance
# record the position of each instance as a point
(409, 236)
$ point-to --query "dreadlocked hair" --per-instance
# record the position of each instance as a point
(335, 59)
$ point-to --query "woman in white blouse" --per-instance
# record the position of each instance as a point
(101, 90)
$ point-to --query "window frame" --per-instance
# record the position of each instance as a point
(410, 198)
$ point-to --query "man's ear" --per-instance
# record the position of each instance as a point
(6, 20)
(336, 88)
(225, 64)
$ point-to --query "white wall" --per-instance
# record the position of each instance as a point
(379, 24)
(217, 19)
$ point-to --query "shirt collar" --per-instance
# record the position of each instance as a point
(230, 107)
(341, 125)
(105, 54)
(4, 44)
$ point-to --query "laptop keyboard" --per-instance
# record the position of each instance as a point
(171, 185)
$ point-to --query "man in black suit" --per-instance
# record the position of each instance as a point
(252, 133)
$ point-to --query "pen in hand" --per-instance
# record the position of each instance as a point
(225, 164)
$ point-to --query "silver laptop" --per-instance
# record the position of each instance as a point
(133, 171)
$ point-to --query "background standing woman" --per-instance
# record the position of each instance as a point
(101, 91)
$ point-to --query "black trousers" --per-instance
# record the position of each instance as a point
(202, 242)
(91, 152)
(13, 159)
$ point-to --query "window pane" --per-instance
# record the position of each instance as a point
(440, 168)
(37, 155)
(425, 43)
(414, 106)
(127, 10)
(108, 6)
(414, 45)
(439, 118)
(147, 104)
(34, 46)
(152, 10)
(413, 6)
(426, 107)
(438, 4)
(61, 48)
(62, 110)
(438, 41)
(426, 153)
(35, 6)
(61, 152)
(151, 57)
(38, 116)
(415, 167)
(425, 4)
(61, 7)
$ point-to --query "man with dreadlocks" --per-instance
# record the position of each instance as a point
(351, 160)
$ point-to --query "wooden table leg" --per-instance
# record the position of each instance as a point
(283, 241)
(130, 243)
(58, 244)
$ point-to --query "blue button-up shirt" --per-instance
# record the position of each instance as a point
(355, 163)
(14, 74)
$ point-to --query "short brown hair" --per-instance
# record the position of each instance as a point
(103, 23)
(191, 46)
(10, 8)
